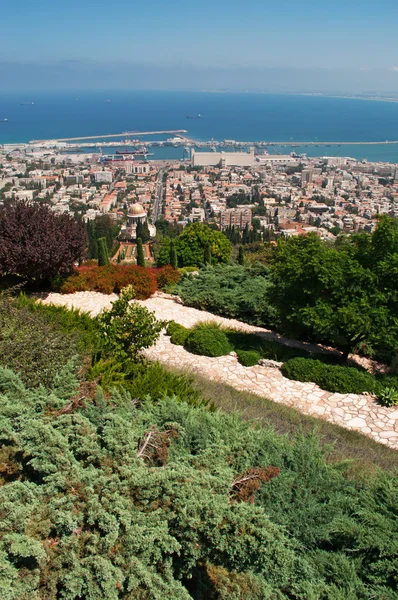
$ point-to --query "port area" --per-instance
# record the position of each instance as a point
(131, 139)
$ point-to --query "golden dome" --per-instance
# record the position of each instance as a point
(137, 210)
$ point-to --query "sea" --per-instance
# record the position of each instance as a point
(232, 116)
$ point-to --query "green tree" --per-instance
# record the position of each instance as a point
(173, 255)
(191, 245)
(140, 253)
(325, 294)
(241, 256)
(92, 240)
(103, 257)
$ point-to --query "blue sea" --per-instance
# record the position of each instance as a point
(236, 116)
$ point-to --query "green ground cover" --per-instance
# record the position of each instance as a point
(128, 481)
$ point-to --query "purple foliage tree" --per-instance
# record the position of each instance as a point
(37, 244)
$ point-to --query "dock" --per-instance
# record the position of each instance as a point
(113, 135)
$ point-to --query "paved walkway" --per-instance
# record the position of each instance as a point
(352, 411)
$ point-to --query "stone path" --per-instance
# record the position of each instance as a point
(352, 411)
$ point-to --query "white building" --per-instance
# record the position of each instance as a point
(137, 214)
(226, 159)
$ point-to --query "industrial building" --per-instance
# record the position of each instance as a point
(224, 159)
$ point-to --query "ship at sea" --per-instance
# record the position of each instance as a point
(194, 117)
(3, 120)
(136, 152)
(27, 103)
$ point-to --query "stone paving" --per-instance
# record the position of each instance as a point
(352, 411)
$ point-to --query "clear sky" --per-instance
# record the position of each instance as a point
(339, 34)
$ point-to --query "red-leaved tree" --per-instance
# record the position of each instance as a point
(37, 244)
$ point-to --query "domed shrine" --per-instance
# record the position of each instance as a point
(137, 224)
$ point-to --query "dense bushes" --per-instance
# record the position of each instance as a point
(112, 278)
(118, 498)
(333, 378)
(231, 291)
(208, 341)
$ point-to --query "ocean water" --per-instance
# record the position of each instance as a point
(240, 117)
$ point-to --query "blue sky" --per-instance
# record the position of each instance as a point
(282, 34)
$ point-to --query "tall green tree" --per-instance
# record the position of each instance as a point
(140, 253)
(145, 236)
(103, 256)
(173, 255)
(241, 256)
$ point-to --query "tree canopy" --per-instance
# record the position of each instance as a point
(194, 243)
(343, 294)
(37, 244)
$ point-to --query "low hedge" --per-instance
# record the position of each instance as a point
(248, 358)
(206, 341)
(178, 333)
(333, 378)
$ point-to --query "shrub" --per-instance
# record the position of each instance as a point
(166, 276)
(230, 291)
(126, 328)
(147, 379)
(248, 358)
(178, 333)
(111, 279)
(333, 378)
(388, 396)
(208, 342)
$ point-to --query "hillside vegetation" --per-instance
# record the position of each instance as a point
(118, 495)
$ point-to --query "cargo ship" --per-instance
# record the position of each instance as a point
(136, 152)
(194, 117)
(3, 120)
(27, 103)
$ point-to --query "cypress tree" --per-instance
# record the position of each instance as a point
(103, 257)
(207, 255)
(173, 256)
(246, 235)
(92, 240)
(241, 256)
(140, 253)
(138, 230)
(145, 236)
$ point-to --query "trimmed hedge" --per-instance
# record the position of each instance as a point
(333, 378)
(248, 358)
(178, 333)
(208, 342)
